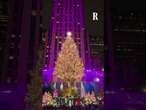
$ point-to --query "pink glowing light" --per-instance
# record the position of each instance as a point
(97, 80)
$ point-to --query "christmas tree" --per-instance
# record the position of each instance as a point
(69, 67)
(34, 88)
(34, 94)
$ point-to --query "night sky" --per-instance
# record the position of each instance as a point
(94, 27)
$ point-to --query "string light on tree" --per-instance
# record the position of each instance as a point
(69, 66)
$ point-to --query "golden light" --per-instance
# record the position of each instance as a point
(69, 34)
(68, 66)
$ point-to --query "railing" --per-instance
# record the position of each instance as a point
(75, 107)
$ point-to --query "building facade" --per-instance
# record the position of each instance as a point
(23, 35)
(3, 34)
(129, 45)
(96, 51)
(66, 16)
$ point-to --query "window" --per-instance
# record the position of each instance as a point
(11, 57)
(34, 4)
(13, 35)
(66, 5)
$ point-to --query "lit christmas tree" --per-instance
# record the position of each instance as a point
(69, 67)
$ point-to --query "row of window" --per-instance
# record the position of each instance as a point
(68, 25)
(60, 34)
(74, 14)
(67, 18)
(72, 6)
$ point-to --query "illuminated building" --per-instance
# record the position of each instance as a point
(66, 16)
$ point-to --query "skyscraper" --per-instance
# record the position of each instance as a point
(66, 16)
(21, 33)
(129, 45)
(3, 35)
(96, 51)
